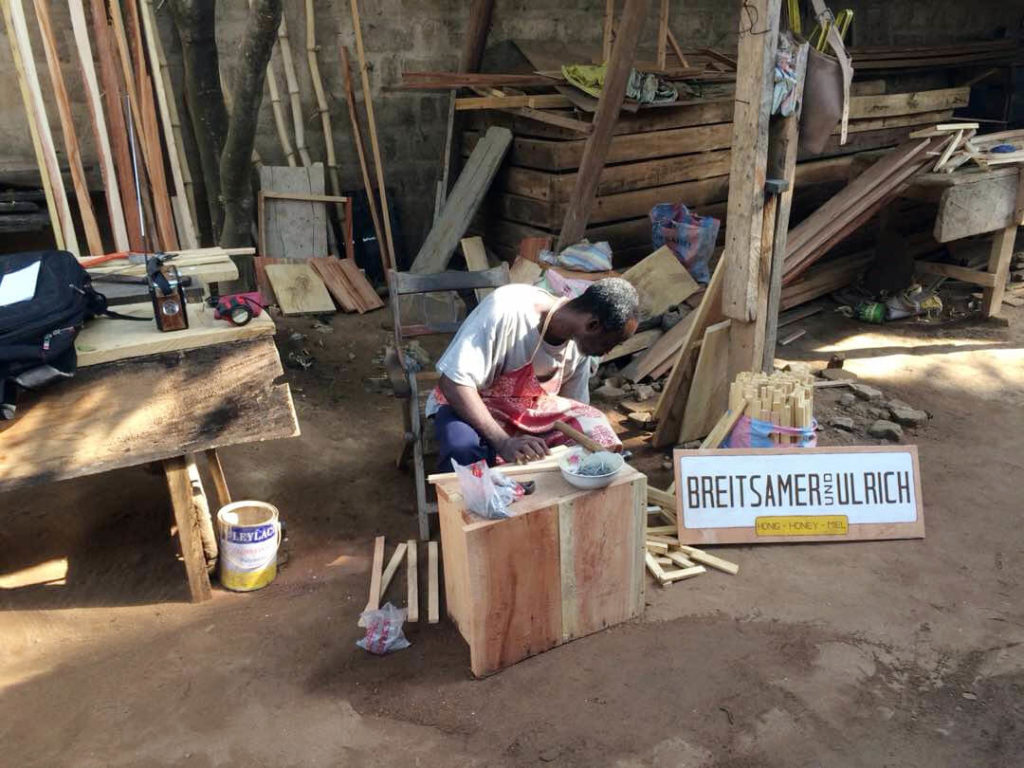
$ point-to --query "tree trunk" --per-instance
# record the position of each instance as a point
(247, 91)
(195, 23)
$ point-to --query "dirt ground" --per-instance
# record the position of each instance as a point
(903, 653)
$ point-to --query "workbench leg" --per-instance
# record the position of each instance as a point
(188, 514)
(220, 483)
(999, 265)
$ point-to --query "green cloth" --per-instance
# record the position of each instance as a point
(643, 87)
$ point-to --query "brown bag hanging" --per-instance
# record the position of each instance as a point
(826, 100)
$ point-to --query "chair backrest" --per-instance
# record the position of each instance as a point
(407, 283)
(404, 283)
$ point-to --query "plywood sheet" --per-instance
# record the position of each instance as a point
(291, 228)
(106, 339)
(299, 290)
(661, 280)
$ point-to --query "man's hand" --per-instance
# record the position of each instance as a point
(522, 449)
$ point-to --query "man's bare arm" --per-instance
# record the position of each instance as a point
(470, 407)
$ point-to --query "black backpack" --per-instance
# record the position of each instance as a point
(37, 334)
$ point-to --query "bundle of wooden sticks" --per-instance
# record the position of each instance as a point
(782, 398)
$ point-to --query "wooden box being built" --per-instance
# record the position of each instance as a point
(666, 154)
(569, 563)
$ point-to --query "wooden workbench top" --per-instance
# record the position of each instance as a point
(552, 489)
(107, 339)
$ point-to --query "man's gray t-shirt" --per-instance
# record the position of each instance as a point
(499, 337)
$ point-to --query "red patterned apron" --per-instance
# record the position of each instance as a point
(522, 404)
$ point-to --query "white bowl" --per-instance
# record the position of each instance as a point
(571, 460)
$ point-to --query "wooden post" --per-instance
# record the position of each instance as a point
(187, 517)
(39, 126)
(80, 29)
(364, 74)
(783, 136)
(616, 76)
(758, 36)
(357, 137)
(67, 126)
(1002, 253)
(115, 118)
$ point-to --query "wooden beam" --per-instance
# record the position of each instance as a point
(39, 126)
(150, 31)
(111, 89)
(220, 483)
(83, 46)
(433, 600)
(187, 520)
(617, 74)
(963, 274)
(364, 74)
(742, 286)
(376, 574)
(998, 269)
(412, 602)
(67, 126)
(393, 563)
(477, 27)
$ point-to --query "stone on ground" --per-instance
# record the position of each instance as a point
(886, 430)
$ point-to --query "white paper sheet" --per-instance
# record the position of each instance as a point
(20, 285)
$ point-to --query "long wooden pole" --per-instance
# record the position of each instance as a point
(364, 74)
(616, 77)
(175, 120)
(67, 125)
(79, 28)
(151, 157)
(39, 127)
(279, 122)
(321, 104)
(357, 135)
(293, 91)
(115, 118)
(188, 232)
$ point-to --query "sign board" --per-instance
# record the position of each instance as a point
(764, 495)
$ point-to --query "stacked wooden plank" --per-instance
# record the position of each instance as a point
(894, 57)
(677, 153)
(130, 61)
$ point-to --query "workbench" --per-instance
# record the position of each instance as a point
(975, 202)
(566, 564)
(141, 396)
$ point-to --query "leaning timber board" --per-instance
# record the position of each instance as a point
(568, 563)
(294, 228)
(107, 339)
(299, 290)
(986, 204)
(661, 281)
(134, 412)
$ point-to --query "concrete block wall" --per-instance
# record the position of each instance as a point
(427, 35)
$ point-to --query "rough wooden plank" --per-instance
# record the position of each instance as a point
(412, 601)
(635, 343)
(392, 568)
(293, 228)
(126, 414)
(39, 126)
(662, 350)
(463, 202)
(476, 260)
(708, 396)
(986, 204)
(972, 276)
(998, 268)
(617, 71)
(367, 297)
(107, 339)
(299, 290)
(661, 280)
(741, 287)
(376, 575)
(187, 518)
(433, 600)
(908, 103)
(220, 483)
(336, 282)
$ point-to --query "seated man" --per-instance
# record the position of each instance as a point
(522, 361)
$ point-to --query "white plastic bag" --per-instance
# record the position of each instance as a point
(383, 630)
(486, 491)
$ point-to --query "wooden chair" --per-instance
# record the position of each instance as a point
(406, 380)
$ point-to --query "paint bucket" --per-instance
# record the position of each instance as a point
(249, 537)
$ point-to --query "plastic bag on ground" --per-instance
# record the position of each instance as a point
(383, 630)
(691, 237)
(754, 433)
(486, 491)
